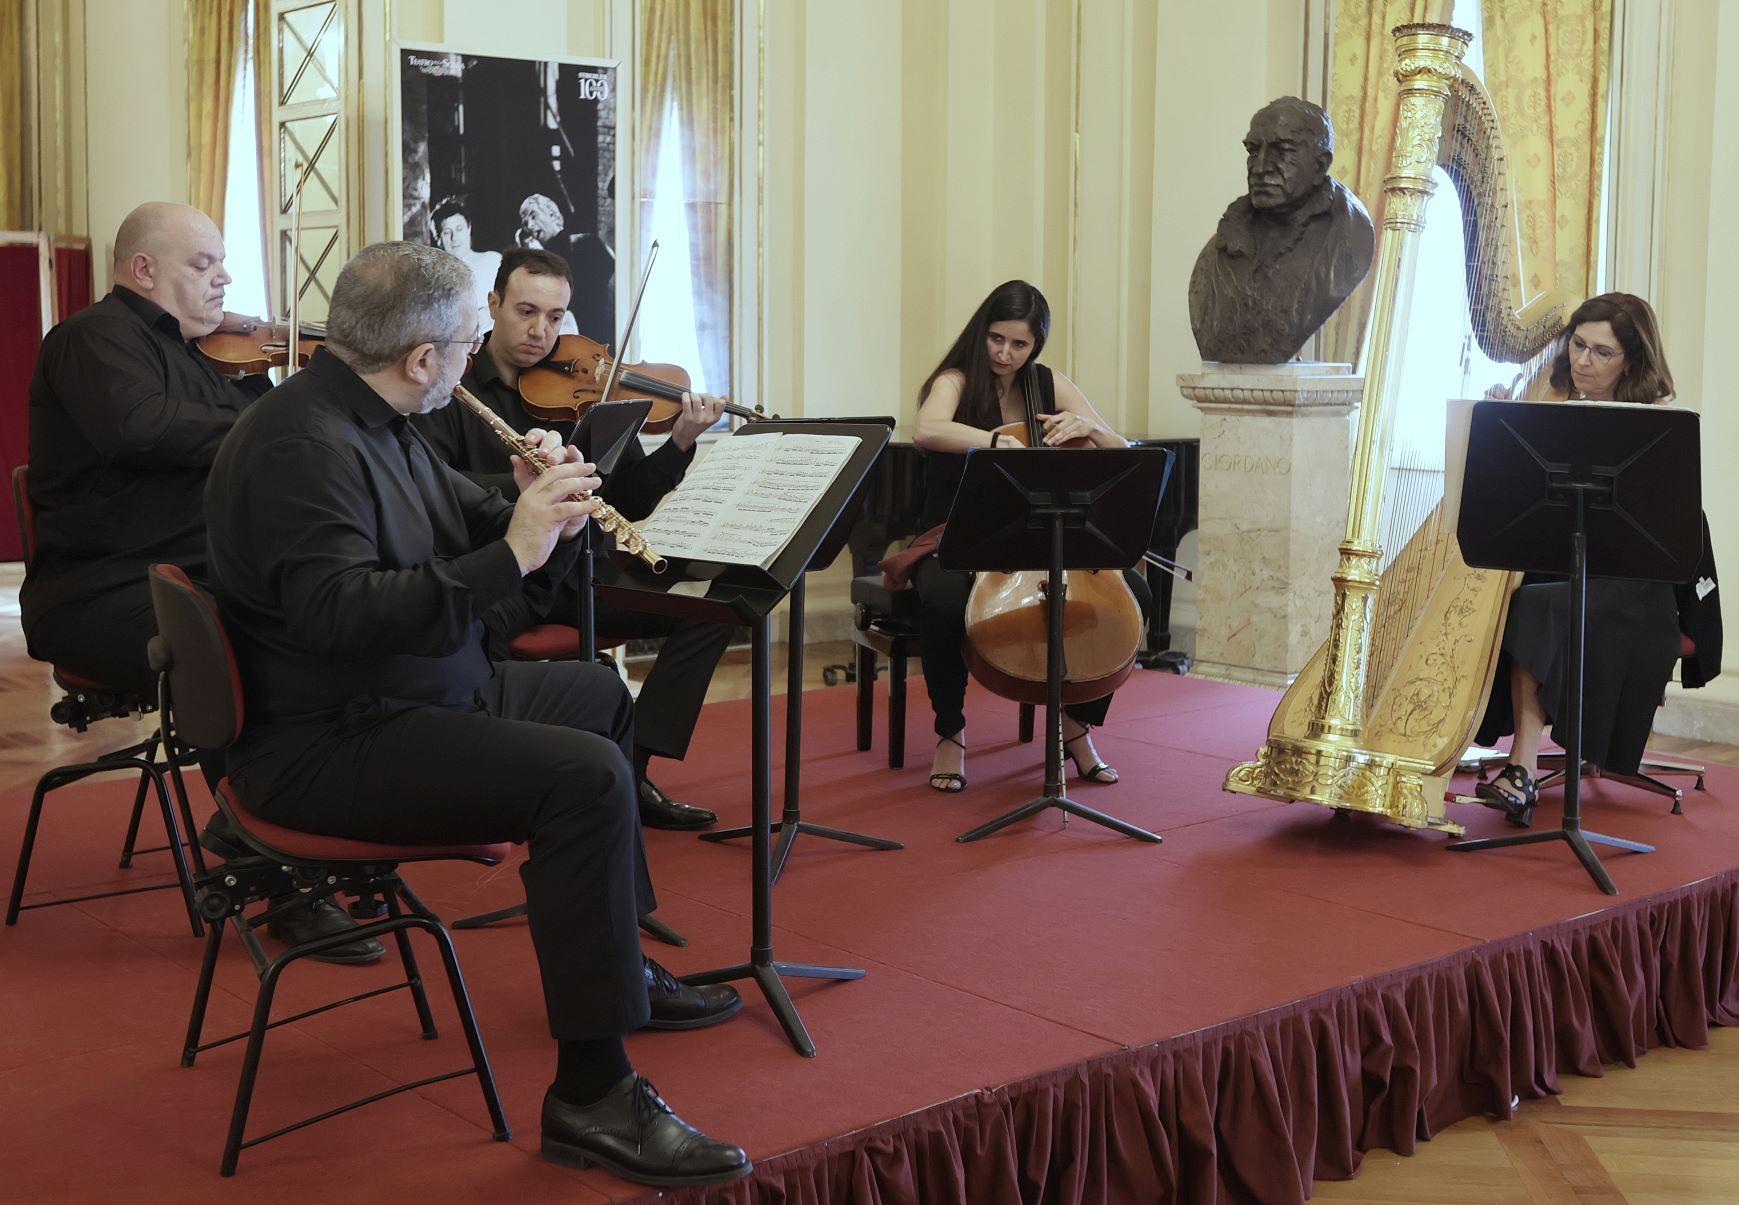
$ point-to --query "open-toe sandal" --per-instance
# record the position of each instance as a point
(948, 781)
(1513, 792)
(1098, 771)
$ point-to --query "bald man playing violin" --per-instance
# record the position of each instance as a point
(125, 420)
(528, 305)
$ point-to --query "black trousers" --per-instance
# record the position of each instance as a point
(102, 638)
(543, 759)
(674, 691)
(942, 597)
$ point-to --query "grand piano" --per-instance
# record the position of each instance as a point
(894, 501)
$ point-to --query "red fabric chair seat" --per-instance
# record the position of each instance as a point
(67, 680)
(290, 845)
(551, 642)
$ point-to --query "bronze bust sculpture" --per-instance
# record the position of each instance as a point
(1286, 254)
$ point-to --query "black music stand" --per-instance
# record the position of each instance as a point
(1586, 489)
(791, 824)
(1055, 509)
(607, 426)
(747, 595)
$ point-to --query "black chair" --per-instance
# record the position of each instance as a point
(83, 704)
(202, 708)
(1648, 771)
(885, 623)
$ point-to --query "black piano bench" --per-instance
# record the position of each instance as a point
(884, 624)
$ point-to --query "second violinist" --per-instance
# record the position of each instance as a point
(528, 305)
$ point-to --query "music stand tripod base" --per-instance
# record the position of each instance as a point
(1578, 838)
(791, 823)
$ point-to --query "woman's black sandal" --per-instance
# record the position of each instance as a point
(1098, 771)
(947, 781)
(1516, 804)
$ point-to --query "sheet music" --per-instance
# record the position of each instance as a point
(743, 501)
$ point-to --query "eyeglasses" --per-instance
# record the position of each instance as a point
(1602, 355)
(474, 344)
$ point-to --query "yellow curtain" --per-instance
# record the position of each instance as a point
(1362, 105)
(13, 201)
(688, 56)
(1547, 66)
(214, 49)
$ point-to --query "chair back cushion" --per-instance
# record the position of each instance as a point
(26, 511)
(205, 689)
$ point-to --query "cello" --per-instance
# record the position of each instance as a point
(1008, 615)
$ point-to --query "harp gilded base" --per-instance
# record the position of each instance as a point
(1396, 788)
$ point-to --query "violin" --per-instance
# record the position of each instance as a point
(574, 376)
(1008, 617)
(245, 353)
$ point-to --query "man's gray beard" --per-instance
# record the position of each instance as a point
(436, 398)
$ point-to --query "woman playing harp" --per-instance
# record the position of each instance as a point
(1636, 630)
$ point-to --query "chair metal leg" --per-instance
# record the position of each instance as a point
(864, 662)
(1026, 723)
(202, 992)
(244, 1092)
(177, 851)
(28, 845)
(473, 1039)
(897, 704)
(128, 846)
(186, 806)
(412, 975)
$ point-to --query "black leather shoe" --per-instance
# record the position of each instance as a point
(634, 1134)
(324, 918)
(676, 1005)
(658, 810)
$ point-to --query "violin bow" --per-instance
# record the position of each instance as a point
(627, 333)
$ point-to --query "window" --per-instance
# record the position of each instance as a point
(684, 186)
(241, 201)
(667, 317)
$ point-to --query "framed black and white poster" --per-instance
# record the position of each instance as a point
(500, 152)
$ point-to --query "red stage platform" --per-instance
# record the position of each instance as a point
(1049, 1014)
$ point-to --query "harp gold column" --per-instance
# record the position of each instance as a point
(1377, 720)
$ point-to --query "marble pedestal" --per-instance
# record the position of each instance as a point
(1276, 445)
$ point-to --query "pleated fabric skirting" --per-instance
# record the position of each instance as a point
(1632, 643)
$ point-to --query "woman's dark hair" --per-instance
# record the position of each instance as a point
(1012, 301)
(1646, 377)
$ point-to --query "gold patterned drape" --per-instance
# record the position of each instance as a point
(13, 199)
(1547, 67)
(1362, 105)
(688, 55)
(214, 50)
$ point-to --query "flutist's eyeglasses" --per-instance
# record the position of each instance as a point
(474, 344)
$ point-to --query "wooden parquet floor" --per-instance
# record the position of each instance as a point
(1665, 1131)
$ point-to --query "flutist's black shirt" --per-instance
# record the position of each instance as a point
(125, 420)
(351, 564)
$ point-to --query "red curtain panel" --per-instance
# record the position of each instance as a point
(20, 335)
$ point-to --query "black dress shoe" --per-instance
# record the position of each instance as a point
(297, 925)
(676, 1005)
(658, 810)
(634, 1134)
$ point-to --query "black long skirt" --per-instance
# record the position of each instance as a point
(1633, 641)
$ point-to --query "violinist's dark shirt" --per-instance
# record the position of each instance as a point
(634, 485)
(125, 420)
(352, 566)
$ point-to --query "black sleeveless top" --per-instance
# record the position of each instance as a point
(942, 470)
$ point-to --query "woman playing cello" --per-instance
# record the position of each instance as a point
(982, 383)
